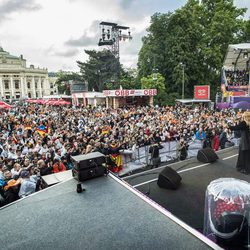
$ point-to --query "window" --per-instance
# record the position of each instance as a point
(29, 95)
(6, 84)
(16, 82)
(36, 85)
(28, 85)
(51, 86)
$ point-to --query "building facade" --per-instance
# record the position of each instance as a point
(17, 81)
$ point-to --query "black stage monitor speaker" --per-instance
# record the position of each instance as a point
(88, 166)
(207, 155)
(169, 179)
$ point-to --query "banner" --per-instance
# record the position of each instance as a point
(202, 92)
(130, 92)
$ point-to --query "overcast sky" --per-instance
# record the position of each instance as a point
(54, 33)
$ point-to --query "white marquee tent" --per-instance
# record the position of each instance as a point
(237, 56)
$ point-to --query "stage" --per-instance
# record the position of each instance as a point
(110, 214)
(187, 202)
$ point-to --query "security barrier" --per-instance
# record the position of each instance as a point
(140, 157)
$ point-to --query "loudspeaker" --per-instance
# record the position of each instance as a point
(207, 155)
(88, 166)
(169, 179)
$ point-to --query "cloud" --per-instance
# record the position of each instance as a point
(51, 51)
(67, 53)
(126, 3)
(90, 36)
(83, 41)
(8, 7)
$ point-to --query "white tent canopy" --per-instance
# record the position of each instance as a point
(56, 96)
(237, 56)
(190, 101)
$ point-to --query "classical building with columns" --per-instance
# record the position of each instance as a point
(17, 81)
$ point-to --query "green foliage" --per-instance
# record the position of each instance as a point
(101, 71)
(196, 35)
(129, 79)
(156, 81)
(63, 81)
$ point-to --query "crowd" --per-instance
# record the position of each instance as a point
(39, 140)
(237, 77)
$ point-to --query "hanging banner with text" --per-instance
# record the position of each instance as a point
(202, 92)
(130, 92)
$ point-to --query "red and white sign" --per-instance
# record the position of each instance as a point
(130, 92)
(202, 92)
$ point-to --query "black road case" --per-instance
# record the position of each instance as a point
(88, 166)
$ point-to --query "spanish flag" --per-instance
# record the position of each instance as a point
(28, 127)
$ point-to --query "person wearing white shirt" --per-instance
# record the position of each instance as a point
(12, 154)
(16, 170)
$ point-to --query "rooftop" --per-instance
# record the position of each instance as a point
(7, 54)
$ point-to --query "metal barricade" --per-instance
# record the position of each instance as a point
(167, 153)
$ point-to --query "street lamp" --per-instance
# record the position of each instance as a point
(183, 78)
(154, 68)
(154, 71)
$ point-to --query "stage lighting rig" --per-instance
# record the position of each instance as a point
(111, 35)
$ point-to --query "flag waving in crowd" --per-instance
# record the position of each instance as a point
(43, 130)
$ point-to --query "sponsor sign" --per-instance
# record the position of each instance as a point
(130, 92)
(202, 92)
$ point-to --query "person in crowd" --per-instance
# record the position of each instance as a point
(15, 171)
(223, 137)
(43, 168)
(28, 184)
(58, 166)
(115, 155)
(11, 187)
(182, 149)
(243, 163)
(215, 141)
(154, 150)
(201, 136)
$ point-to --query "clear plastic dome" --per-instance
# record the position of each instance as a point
(227, 212)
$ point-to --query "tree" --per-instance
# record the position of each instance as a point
(154, 82)
(129, 79)
(101, 71)
(196, 35)
(63, 81)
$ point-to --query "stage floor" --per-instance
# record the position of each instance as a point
(187, 202)
(108, 215)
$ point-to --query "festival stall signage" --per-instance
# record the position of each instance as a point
(202, 92)
(130, 92)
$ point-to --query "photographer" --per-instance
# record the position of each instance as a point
(182, 148)
(155, 155)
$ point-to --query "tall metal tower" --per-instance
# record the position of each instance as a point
(111, 35)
